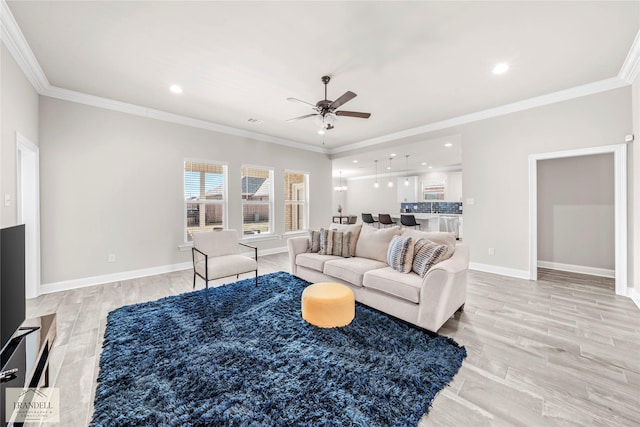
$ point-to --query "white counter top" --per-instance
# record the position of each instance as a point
(422, 215)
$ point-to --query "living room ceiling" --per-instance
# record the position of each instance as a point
(412, 64)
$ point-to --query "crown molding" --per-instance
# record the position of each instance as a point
(631, 67)
(137, 110)
(13, 38)
(551, 98)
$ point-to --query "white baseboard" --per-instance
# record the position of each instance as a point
(592, 271)
(634, 294)
(66, 285)
(496, 269)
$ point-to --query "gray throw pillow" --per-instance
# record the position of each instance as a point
(426, 255)
(400, 254)
(335, 243)
(314, 242)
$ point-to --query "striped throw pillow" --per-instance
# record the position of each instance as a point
(314, 242)
(400, 254)
(426, 255)
(335, 243)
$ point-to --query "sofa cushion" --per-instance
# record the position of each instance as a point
(334, 242)
(373, 243)
(314, 242)
(400, 254)
(440, 237)
(427, 254)
(355, 233)
(351, 270)
(314, 261)
(389, 281)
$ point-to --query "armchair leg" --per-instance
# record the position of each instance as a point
(256, 278)
(194, 280)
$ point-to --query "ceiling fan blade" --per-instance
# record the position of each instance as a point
(346, 97)
(302, 117)
(300, 101)
(353, 114)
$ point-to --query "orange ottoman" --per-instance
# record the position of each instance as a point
(328, 305)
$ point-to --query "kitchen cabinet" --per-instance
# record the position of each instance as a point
(433, 191)
(408, 193)
(453, 187)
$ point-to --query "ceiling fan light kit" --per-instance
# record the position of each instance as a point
(327, 110)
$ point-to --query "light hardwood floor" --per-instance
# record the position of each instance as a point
(563, 350)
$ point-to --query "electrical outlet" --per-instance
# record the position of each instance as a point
(492, 251)
(111, 258)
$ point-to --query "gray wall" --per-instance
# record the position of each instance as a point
(576, 211)
(113, 183)
(18, 114)
(495, 166)
(495, 155)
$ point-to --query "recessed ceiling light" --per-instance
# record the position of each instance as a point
(355, 161)
(175, 89)
(501, 68)
(321, 132)
(424, 163)
(448, 144)
(430, 167)
(393, 154)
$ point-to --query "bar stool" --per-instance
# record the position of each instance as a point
(367, 218)
(385, 219)
(409, 221)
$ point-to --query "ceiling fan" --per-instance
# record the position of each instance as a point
(327, 110)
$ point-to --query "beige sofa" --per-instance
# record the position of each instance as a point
(427, 302)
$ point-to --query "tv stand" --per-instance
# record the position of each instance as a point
(25, 358)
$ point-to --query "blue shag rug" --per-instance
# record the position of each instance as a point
(247, 358)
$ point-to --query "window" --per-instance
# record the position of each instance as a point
(295, 201)
(205, 189)
(257, 200)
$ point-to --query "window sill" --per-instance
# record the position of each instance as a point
(186, 247)
(296, 233)
(258, 237)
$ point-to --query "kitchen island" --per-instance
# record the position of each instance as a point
(432, 221)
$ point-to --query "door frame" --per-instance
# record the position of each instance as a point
(28, 209)
(620, 207)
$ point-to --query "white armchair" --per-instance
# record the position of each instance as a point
(216, 254)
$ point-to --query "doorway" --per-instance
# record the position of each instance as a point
(28, 204)
(620, 207)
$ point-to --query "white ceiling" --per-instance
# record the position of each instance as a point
(412, 64)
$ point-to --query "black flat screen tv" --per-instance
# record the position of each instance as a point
(12, 281)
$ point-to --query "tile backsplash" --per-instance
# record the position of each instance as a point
(432, 207)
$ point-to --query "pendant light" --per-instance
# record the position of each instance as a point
(340, 187)
(390, 184)
(375, 184)
(406, 180)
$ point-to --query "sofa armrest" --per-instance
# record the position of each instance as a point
(444, 289)
(459, 261)
(296, 245)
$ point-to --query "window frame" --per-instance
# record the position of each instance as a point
(270, 203)
(304, 203)
(225, 195)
